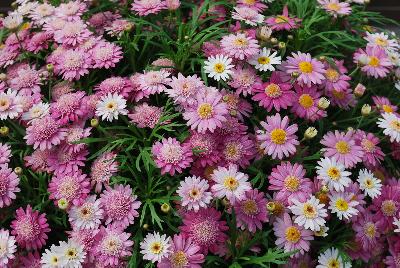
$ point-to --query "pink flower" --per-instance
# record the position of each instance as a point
(153, 82)
(10, 106)
(239, 46)
(237, 106)
(207, 114)
(146, 7)
(195, 193)
(44, 133)
(8, 248)
(71, 10)
(274, 94)
(72, 33)
(292, 236)
(283, 22)
(251, 212)
(386, 206)
(256, 5)
(7, 56)
(243, 80)
(27, 81)
(310, 71)
(5, 153)
(37, 161)
(118, 26)
(9, 182)
(72, 64)
(205, 228)
(384, 105)
(112, 245)
(367, 231)
(73, 187)
(60, 89)
(306, 103)
(288, 179)
(205, 148)
(102, 169)
(120, 206)
(69, 107)
(185, 89)
(278, 138)
(343, 98)
(248, 15)
(30, 228)
(106, 55)
(144, 115)
(342, 147)
(373, 154)
(336, 78)
(238, 150)
(31, 260)
(171, 156)
(115, 84)
(335, 8)
(67, 161)
(75, 134)
(374, 61)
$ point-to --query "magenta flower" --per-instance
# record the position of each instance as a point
(342, 147)
(208, 114)
(292, 236)
(30, 228)
(183, 251)
(251, 212)
(31, 260)
(288, 179)
(37, 161)
(343, 98)
(115, 84)
(335, 8)
(238, 150)
(374, 61)
(63, 161)
(239, 46)
(306, 103)
(367, 231)
(44, 133)
(171, 156)
(39, 41)
(205, 228)
(144, 115)
(9, 182)
(309, 71)
(73, 64)
(373, 154)
(386, 206)
(146, 7)
(73, 188)
(102, 169)
(283, 22)
(70, 107)
(205, 148)
(384, 105)
(274, 94)
(278, 138)
(257, 5)
(106, 55)
(120, 206)
(243, 80)
(335, 76)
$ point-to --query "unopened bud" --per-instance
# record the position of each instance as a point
(145, 226)
(50, 67)
(290, 37)
(359, 90)
(282, 45)
(274, 41)
(264, 33)
(366, 110)
(3, 77)
(233, 112)
(271, 206)
(324, 189)
(4, 131)
(172, 4)
(350, 129)
(94, 122)
(322, 58)
(323, 103)
(63, 203)
(295, 74)
(165, 208)
(310, 133)
(18, 170)
(226, 202)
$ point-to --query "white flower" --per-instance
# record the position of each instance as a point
(381, 40)
(333, 174)
(9, 105)
(194, 193)
(51, 258)
(110, 106)
(396, 222)
(71, 253)
(330, 258)
(265, 61)
(369, 184)
(391, 126)
(13, 21)
(230, 183)
(155, 247)
(218, 67)
(86, 216)
(394, 57)
(343, 205)
(309, 214)
(7, 247)
(38, 110)
(323, 231)
(248, 15)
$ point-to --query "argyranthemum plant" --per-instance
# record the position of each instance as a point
(177, 133)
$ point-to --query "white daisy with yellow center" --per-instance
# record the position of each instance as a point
(391, 126)
(309, 214)
(371, 185)
(71, 254)
(110, 106)
(154, 247)
(330, 258)
(265, 60)
(333, 174)
(218, 67)
(343, 205)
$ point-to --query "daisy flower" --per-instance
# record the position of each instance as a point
(243, 80)
(291, 236)
(253, 4)
(289, 182)
(381, 40)
(7, 246)
(391, 126)
(343, 205)
(387, 206)
(237, 150)
(274, 94)
(171, 156)
(71, 253)
(251, 212)
(111, 106)
(369, 184)
(5, 154)
(342, 147)
(185, 89)
(336, 78)
(309, 214)
(205, 148)
(333, 174)
(106, 55)
(145, 115)
(205, 228)
(283, 21)
(373, 154)
(247, 15)
(194, 193)
(30, 228)
(335, 8)
(218, 67)
(9, 182)
(374, 61)
(331, 258)
(239, 46)
(9, 105)
(278, 138)
(88, 215)
(367, 231)
(13, 21)
(310, 71)
(183, 252)
(73, 64)
(230, 183)
(69, 107)
(102, 169)
(265, 60)
(38, 110)
(208, 113)
(119, 205)
(154, 247)
(343, 99)
(7, 56)
(153, 82)
(63, 161)
(146, 7)
(72, 33)
(384, 105)
(27, 81)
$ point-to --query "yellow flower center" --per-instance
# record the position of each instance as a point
(4, 104)
(389, 208)
(305, 67)
(292, 183)
(179, 259)
(219, 68)
(381, 42)
(387, 108)
(333, 6)
(342, 204)
(264, 60)
(395, 124)
(309, 211)
(241, 42)
(374, 61)
(111, 106)
(342, 147)
(278, 136)
(281, 19)
(249, 207)
(306, 101)
(231, 183)
(54, 260)
(194, 193)
(249, 2)
(332, 75)
(71, 253)
(156, 248)
(338, 94)
(369, 183)
(334, 173)
(292, 234)
(370, 229)
(333, 263)
(273, 90)
(205, 110)
(368, 145)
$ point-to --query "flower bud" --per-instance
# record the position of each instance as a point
(366, 110)
(63, 203)
(295, 74)
(350, 129)
(50, 68)
(271, 206)
(322, 231)
(322, 58)
(323, 103)
(172, 4)
(282, 45)
(310, 133)
(94, 122)
(290, 37)
(3, 77)
(165, 208)
(18, 170)
(359, 90)
(264, 33)
(145, 226)
(324, 189)
(274, 41)
(4, 131)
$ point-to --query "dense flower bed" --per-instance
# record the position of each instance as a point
(160, 133)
